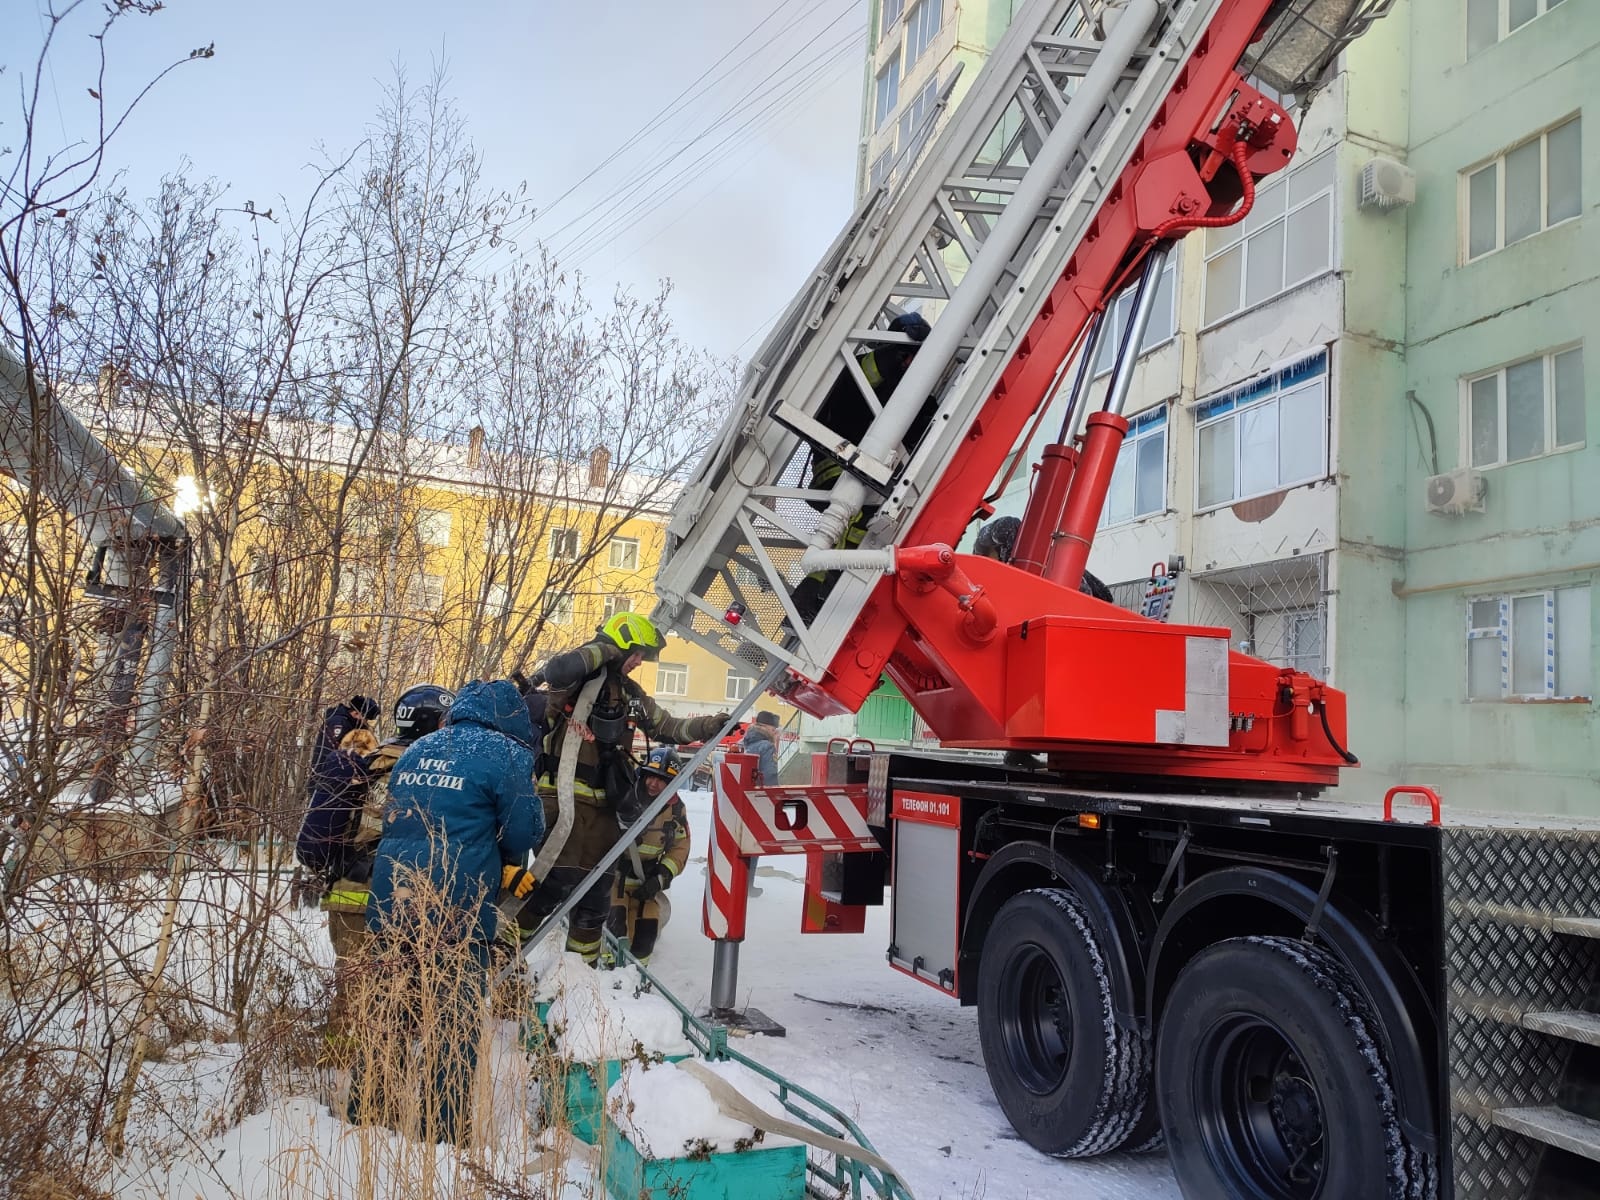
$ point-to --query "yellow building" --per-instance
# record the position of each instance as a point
(452, 563)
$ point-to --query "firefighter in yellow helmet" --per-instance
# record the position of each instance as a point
(606, 770)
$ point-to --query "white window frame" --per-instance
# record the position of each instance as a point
(1503, 28)
(1313, 369)
(1240, 240)
(919, 33)
(1121, 311)
(878, 171)
(497, 599)
(1498, 163)
(497, 534)
(891, 12)
(1551, 446)
(738, 686)
(624, 545)
(672, 679)
(425, 592)
(354, 580)
(558, 607)
(1502, 631)
(918, 112)
(883, 85)
(613, 607)
(1292, 657)
(559, 538)
(1146, 426)
(433, 525)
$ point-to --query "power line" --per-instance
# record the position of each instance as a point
(675, 107)
(777, 117)
(606, 220)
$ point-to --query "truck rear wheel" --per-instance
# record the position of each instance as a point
(1070, 1079)
(1271, 1083)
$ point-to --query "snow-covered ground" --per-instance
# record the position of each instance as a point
(900, 1058)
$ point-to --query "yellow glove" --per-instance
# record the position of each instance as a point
(519, 881)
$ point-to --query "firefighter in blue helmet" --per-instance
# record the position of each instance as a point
(461, 821)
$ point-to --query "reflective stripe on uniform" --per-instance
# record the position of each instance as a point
(345, 900)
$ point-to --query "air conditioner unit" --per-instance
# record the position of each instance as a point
(1456, 492)
(1386, 183)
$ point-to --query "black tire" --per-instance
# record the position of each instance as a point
(1271, 1084)
(1071, 1080)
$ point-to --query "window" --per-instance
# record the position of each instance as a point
(1303, 641)
(1529, 645)
(1488, 21)
(564, 545)
(623, 554)
(739, 684)
(433, 526)
(672, 679)
(921, 27)
(1525, 410)
(261, 574)
(1268, 434)
(1163, 320)
(1524, 191)
(918, 112)
(1286, 240)
(880, 168)
(497, 600)
(425, 592)
(891, 13)
(356, 582)
(497, 535)
(1139, 482)
(887, 96)
(618, 603)
(558, 608)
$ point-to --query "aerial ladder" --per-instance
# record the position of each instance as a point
(1096, 135)
(1173, 927)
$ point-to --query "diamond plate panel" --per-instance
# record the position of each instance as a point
(1502, 889)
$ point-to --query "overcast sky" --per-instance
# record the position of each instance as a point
(548, 89)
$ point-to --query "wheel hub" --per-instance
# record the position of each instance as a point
(1297, 1116)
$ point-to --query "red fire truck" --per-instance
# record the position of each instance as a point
(1170, 924)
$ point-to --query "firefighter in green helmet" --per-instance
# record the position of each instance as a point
(606, 770)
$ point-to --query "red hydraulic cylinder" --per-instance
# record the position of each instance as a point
(1043, 515)
(1102, 439)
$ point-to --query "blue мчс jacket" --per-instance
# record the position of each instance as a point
(461, 806)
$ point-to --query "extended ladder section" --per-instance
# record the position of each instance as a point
(1096, 131)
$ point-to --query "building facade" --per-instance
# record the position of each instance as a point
(1359, 418)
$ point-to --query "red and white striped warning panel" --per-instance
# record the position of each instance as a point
(749, 822)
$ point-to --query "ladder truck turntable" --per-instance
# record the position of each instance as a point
(1167, 930)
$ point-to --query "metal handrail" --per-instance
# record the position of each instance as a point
(846, 1177)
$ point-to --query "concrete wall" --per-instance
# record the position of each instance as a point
(1540, 525)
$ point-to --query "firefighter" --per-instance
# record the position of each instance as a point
(605, 772)
(998, 540)
(419, 710)
(462, 819)
(845, 411)
(638, 906)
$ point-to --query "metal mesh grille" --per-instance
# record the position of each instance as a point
(1503, 960)
(1277, 611)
